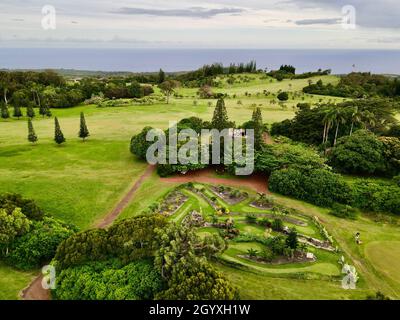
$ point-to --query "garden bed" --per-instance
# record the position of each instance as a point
(229, 195)
(172, 203)
(298, 257)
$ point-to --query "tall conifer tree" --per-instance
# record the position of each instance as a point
(58, 135)
(32, 137)
(83, 131)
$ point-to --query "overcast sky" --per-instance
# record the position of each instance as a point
(201, 24)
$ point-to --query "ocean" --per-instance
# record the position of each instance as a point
(148, 60)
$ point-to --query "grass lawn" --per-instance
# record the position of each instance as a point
(12, 282)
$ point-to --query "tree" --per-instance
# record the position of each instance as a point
(291, 241)
(220, 118)
(283, 96)
(12, 225)
(258, 128)
(30, 112)
(168, 87)
(58, 135)
(359, 153)
(43, 110)
(161, 76)
(83, 131)
(139, 144)
(340, 118)
(17, 112)
(32, 137)
(356, 116)
(5, 114)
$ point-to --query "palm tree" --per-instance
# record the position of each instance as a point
(368, 119)
(355, 118)
(340, 118)
(329, 118)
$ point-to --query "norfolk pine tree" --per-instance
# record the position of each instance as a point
(83, 131)
(17, 112)
(258, 128)
(220, 119)
(5, 114)
(30, 112)
(58, 135)
(32, 137)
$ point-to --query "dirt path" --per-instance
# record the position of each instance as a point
(258, 183)
(35, 290)
(267, 138)
(110, 217)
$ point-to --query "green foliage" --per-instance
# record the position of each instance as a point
(258, 127)
(277, 225)
(360, 153)
(127, 240)
(17, 113)
(12, 225)
(220, 119)
(376, 196)
(83, 130)
(283, 96)
(109, 280)
(30, 112)
(194, 279)
(11, 201)
(32, 137)
(5, 114)
(39, 245)
(58, 135)
(139, 145)
(318, 186)
(358, 85)
(161, 76)
(343, 211)
(291, 241)
(284, 155)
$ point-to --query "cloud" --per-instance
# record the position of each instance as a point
(194, 12)
(306, 22)
(369, 13)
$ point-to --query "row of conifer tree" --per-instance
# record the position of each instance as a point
(58, 134)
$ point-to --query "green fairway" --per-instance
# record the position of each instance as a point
(385, 256)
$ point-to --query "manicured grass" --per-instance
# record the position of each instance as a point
(254, 285)
(12, 282)
(385, 256)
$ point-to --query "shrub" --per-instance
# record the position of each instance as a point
(109, 281)
(277, 225)
(376, 196)
(39, 245)
(343, 211)
(29, 208)
(359, 153)
(318, 186)
(283, 96)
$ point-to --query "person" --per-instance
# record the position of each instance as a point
(358, 240)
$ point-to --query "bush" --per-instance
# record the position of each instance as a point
(10, 201)
(343, 211)
(38, 246)
(318, 186)
(376, 196)
(359, 153)
(109, 281)
(283, 96)
(139, 145)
